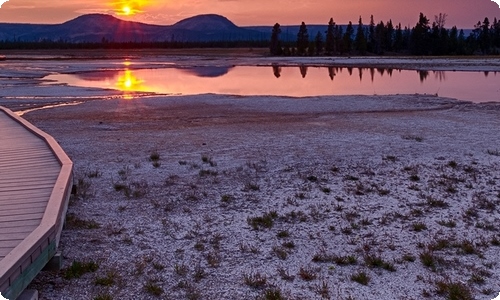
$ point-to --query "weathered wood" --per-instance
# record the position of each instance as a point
(21, 282)
(35, 183)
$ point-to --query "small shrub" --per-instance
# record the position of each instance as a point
(77, 269)
(280, 252)
(94, 174)
(272, 294)
(414, 178)
(312, 178)
(264, 221)
(151, 287)
(285, 275)
(494, 152)
(427, 258)
(436, 203)
(418, 226)
(447, 223)
(373, 261)
(103, 296)
(390, 158)
(107, 280)
(408, 257)
(361, 278)
(283, 234)
(251, 186)
(307, 274)
(154, 156)
(255, 280)
(453, 290)
(73, 222)
(181, 269)
(226, 198)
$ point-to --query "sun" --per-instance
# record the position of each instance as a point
(127, 10)
(129, 7)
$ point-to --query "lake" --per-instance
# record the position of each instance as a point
(298, 81)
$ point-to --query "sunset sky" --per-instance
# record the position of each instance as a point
(462, 13)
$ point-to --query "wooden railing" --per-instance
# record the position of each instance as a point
(24, 262)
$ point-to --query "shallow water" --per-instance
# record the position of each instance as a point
(291, 81)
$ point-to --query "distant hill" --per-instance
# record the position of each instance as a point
(99, 27)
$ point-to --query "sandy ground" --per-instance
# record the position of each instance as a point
(232, 197)
(225, 197)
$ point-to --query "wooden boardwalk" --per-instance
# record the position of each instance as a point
(35, 182)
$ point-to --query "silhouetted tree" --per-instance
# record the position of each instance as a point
(347, 39)
(484, 36)
(371, 35)
(330, 38)
(360, 40)
(318, 41)
(420, 36)
(302, 39)
(388, 37)
(275, 47)
(311, 50)
(453, 41)
(398, 39)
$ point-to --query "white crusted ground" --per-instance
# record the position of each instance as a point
(296, 196)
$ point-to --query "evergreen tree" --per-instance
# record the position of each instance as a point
(275, 47)
(360, 39)
(380, 34)
(330, 38)
(302, 39)
(389, 33)
(339, 40)
(371, 35)
(484, 37)
(398, 39)
(311, 49)
(420, 36)
(318, 41)
(453, 41)
(495, 34)
(347, 38)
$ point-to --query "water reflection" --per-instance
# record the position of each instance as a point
(127, 82)
(276, 71)
(286, 81)
(209, 71)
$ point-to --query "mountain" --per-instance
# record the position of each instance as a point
(99, 27)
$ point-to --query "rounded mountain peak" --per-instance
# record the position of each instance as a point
(209, 22)
(94, 18)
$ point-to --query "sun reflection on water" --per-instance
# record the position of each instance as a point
(129, 83)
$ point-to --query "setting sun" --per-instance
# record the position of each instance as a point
(129, 7)
(127, 10)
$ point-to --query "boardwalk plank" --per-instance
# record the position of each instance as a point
(14, 236)
(12, 212)
(32, 223)
(35, 176)
(20, 218)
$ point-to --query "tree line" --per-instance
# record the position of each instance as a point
(104, 44)
(424, 38)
